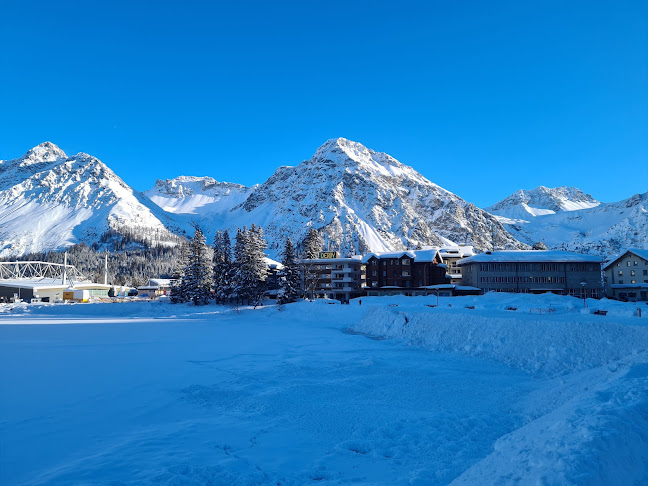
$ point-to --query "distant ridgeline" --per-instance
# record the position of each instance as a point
(359, 200)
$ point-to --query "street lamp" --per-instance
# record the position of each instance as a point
(583, 284)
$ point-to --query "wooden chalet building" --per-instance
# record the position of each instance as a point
(410, 272)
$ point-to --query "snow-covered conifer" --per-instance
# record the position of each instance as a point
(258, 264)
(312, 245)
(250, 269)
(198, 274)
(178, 283)
(289, 278)
(311, 248)
(222, 266)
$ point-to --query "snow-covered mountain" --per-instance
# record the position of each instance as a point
(524, 205)
(201, 196)
(604, 229)
(50, 201)
(359, 199)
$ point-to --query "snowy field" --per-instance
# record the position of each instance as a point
(392, 391)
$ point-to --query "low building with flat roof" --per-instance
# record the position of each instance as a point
(155, 287)
(47, 281)
(535, 271)
(47, 289)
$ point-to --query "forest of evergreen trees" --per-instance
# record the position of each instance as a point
(232, 275)
(200, 273)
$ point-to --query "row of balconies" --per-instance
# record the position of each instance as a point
(332, 288)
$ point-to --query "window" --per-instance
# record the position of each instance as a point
(645, 272)
(628, 263)
(374, 273)
(620, 272)
(632, 272)
(374, 284)
(633, 281)
(384, 263)
(405, 273)
(636, 263)
(374, 262)
(620, 281)
(406, 261)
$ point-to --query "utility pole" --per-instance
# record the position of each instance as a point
(64, 279)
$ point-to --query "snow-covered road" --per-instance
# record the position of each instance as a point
(162, 394)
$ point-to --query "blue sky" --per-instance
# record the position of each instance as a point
(483, 98)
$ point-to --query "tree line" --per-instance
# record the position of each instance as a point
(221, 273)
(238, 274)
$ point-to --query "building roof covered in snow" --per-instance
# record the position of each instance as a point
(636, 251)
(556, 256)
(49, 283)
(427, 255)
(456, 251)
(272, 264)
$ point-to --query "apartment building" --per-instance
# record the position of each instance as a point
(409, 272)
(451, 256)
(333, 277)
(626, 276)
(535, 271)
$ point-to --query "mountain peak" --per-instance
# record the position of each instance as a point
(44, 152)
(541, 201)
(344, 153)
(337, 148)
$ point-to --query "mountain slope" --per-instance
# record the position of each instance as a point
(50, 201)
(527, 204)
(363, 200)
(605, 229)
(201, 196)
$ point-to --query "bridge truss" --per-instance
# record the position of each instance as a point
(39, 270)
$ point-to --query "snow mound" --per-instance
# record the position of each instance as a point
(600, 437)
(545, 346)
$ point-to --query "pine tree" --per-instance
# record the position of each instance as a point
(311, 248)
(312, 245)
(259, 266)
(222, 266)
(240, 273)
(250, 269)
(289, 278)
(178, 283)
(198, 276)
